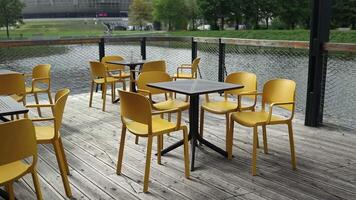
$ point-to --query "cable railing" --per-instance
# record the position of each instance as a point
(268, 59)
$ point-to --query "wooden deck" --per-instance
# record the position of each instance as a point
(326, 162)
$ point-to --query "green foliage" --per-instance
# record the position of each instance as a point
(170, 12)
(344, 13)
(192, 12)
(10, 13)
(294, 12)
(212, 10)
(140, 12)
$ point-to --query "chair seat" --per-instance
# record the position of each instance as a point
(220, 107)
(159, 126)
(183, 75)
(171, 104)
(44, 133)
(36, 89)
(252, 119)
(108, 80)
(123, 75)
(12, 170)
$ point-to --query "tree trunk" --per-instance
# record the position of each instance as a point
(193, 23)
(222, 22)
(236, 22)
(267, 25)
(7, 29)
(169, 25)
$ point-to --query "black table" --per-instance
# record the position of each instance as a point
(132, 65)
(8, 106)
(194, 88)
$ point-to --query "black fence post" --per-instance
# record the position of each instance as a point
(194, 49)
(319, 35)
(221, 61)
(143, 48)
(101, 48)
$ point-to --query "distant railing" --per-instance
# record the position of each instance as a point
(267, 58)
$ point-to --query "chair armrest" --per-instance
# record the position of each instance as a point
(188, 65)
(42, 119)
(280, 104)
(145, 92)
(39, 105)
(27, 75)
(182, 69)
(247, 93)
(35, 80)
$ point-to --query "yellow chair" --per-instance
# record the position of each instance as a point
(99, 76)
(51, 134)
(170, 102)
(193, 70)
(18, 142)
(14, 85)
(157, 65)
(116, 71)
(225, 107)
(41, 74)
(138, 118)
(276, 93)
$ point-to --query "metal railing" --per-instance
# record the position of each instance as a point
(267, 58)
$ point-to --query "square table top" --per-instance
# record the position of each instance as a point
(195, 86)
(6, 71)
(128, 62)
(8, 106)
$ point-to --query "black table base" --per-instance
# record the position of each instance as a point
(194, 135)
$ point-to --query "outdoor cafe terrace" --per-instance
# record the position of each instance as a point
(325, 149)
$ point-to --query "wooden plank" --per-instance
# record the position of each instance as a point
(206, 40)
(266, 43)
(341, 47)
(21, 43)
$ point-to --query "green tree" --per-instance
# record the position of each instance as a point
(10, 13)
(250, 13)
(294, 12)
(212, 10)
(170, 12)
(344, 13)
(267, 9)
(140, 12)
(192, 11)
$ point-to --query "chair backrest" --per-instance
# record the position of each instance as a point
(60, 102)
(97, 69)
(152, 77)
(195, 65)
(12, 84)
(279, 90)
(247, 79)
(42, 71)
(135, 107)
(157, 65)
(109, 66)
(18, 141)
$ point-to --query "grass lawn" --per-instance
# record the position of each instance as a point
(77, 28)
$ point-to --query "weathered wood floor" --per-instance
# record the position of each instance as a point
(326, 161)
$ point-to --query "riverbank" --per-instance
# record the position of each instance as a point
(87, 28)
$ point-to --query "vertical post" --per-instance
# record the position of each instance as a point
(143, 48)
(101, 48)
(319, 34)
(221, 61)
(194, 49)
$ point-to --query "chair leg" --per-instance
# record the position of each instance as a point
(124, 85)
(227, 131)
(91, 93)
(64, 156)
(136, 139)
(121, 150)
(10, 190)
(254, 151)
(112, 92)
(50, 100)
(148, 164)
(258, 141)
(37, 102)
(291, 142)
(104, 96)
(264, 131)
(230, 139)
(62, 167)
(201, 131)
(36, 183)
(159, 148)
(186, 152)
